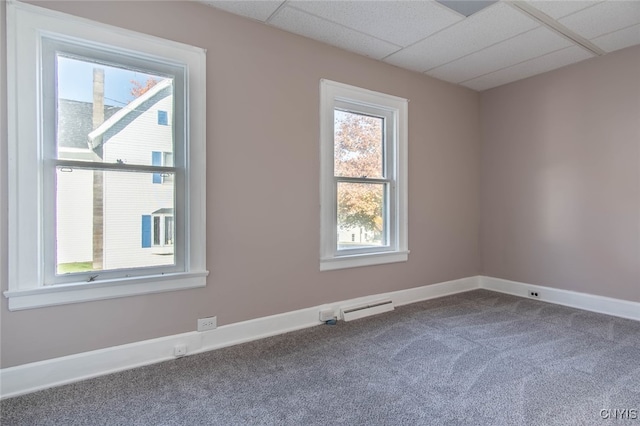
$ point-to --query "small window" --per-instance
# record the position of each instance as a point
(163, 118)
(363, 177)
(164, 159)
(162, 233)
(85, 120)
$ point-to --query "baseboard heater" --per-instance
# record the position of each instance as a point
(355, 312)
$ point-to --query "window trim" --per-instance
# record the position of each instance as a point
(26, 25)
(334, 95)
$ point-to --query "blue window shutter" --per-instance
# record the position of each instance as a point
(146, 231)
(156, 160)
(163, 118)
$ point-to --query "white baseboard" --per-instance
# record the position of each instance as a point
(574, 299)
(35, 376)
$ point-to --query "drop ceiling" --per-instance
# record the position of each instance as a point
(504, 42)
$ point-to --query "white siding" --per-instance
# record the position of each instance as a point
(129, 196)
(74, 216)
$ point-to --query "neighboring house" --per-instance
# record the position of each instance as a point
(138, 226)
(356, 235)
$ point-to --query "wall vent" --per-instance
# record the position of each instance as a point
(466, 7)
(355, 312)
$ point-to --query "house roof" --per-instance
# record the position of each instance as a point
(119, 120)
(164, 211)
(75, 122)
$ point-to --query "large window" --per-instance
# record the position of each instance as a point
(107, 151)
(363, 177)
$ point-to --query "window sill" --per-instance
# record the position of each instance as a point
(369, 259)
(107, 289)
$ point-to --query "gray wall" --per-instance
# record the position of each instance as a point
(560, 187)
(263, 188)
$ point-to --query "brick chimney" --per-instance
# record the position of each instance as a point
(98, 175)
(98, 97)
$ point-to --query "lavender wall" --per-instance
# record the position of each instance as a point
(263, 188)
(560, 186)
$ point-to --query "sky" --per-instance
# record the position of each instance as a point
(75, 81)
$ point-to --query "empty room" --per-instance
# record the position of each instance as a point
(351, 212)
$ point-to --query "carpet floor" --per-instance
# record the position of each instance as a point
(476, 358)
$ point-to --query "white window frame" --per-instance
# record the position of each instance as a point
(27, 239)
(334, 95)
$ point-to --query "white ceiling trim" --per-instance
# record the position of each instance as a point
(556, 26)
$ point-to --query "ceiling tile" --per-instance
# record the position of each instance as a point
(497, 45)
(298, 22)
(507, 53)
(630, 36)
(489, 26)
(603, 18)
(399, 22)
(260, 10)
(541, 64)
(558, 9)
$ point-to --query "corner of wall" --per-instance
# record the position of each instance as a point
(3, 162)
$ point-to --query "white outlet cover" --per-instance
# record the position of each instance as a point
(180, 350)
(209, 323)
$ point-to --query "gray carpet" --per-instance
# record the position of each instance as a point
(477, 358)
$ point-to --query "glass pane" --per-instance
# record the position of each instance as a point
(112, 114)
(358, 145)
(156, 230)
(109, 220)
(168, 230)
(361, 212)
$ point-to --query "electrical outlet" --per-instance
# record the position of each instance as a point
(534, 294)
(179, 350)
(209, 323)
